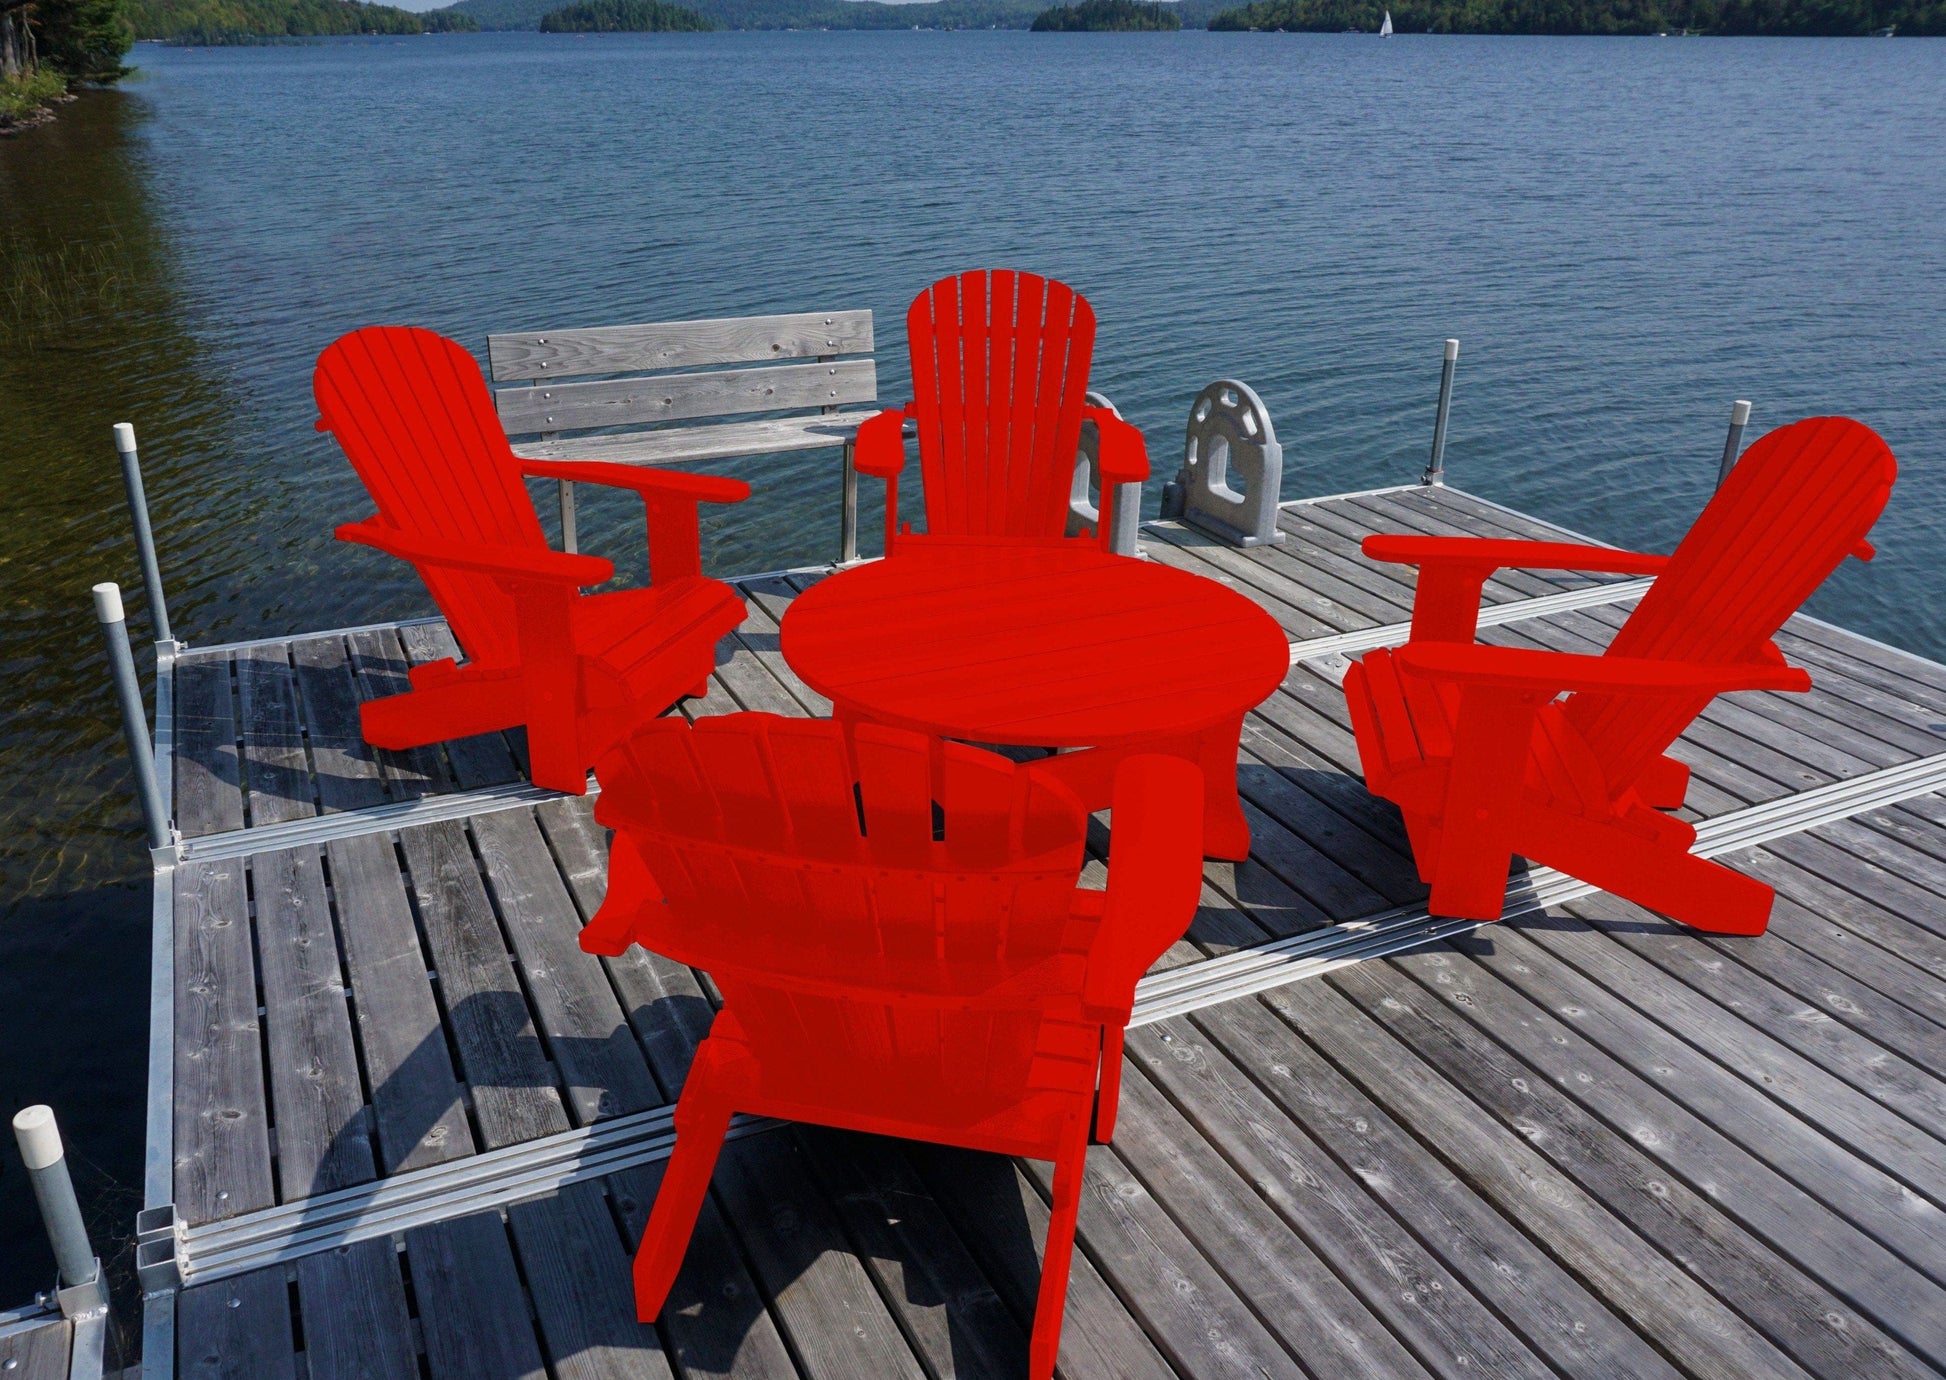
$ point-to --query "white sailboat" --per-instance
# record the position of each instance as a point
(1385, 29)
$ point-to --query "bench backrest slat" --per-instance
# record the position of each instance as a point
(678, 397)
(678, 345)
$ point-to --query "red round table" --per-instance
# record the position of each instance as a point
(1047, 644)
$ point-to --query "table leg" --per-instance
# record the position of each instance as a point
(1090, 774)
(1226, 833)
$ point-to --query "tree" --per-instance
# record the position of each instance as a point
(84, 39)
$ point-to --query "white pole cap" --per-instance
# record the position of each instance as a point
(1739, 412)
(108, 602)
(39, 1137)
(1452, 348)
(124, 438)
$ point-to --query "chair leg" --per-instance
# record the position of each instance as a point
(1226, 833)
(1108, 1096)
(702, 1120)
(1045, 1344)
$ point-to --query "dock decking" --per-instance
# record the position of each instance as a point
(409, 1128)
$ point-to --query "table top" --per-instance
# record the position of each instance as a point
(1048, 644)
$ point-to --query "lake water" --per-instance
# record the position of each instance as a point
(1626, 234)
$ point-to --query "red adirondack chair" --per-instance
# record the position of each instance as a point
(1000, 379)
(948, 984)
(1473, 746)
(416, 421)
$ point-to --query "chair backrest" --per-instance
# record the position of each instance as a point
(999, 378)
(1799, 501)
(858, 932)
(635, 377)
(415, 419)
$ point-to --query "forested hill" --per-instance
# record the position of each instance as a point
(824, 14)
(1782, 18)
(1108, 16)
(244, 21)
(623, 17)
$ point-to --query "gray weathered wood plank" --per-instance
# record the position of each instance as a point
(415, 1095)
(352, 1303)
(681, 397)
(1344, 1221)
(1189, 1311)
(1705, 1276)
(1297, 1294)
(348, 777)
(222, 1143)
(666, 1005)
(380, 664)
(1817, 1200)
(716, 1322)
(236, 1329)
(208, 796)
(688, 445)
(514, 1091)
(39, 1353)
(945, 1303)
(471, 1308)
(1002, 1219)
(677, 344)
(837, 1324)
(578, 1274)
(323, 1138)
(276, 768)
(574, 1006)
(1541, 1295)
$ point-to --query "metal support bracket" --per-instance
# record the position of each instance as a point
(158, 1249)
(1230, 441)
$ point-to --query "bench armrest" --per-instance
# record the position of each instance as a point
(1549, 673)
(516, 562)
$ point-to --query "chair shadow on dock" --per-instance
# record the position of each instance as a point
(798, 1217)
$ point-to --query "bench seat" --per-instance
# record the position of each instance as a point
(685, 445)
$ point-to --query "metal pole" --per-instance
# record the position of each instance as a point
(848, 519)
(138, 508)
(1733, 443)
(1436, 467)
(47, 1167)
(570, 536)
(135, 727)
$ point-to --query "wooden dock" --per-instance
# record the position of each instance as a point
(408, 1128)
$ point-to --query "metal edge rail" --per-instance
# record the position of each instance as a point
(473, 1184)
(1280, 961)
(480, 1182)
(1491, 616)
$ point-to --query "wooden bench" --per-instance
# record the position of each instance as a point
(657, 395)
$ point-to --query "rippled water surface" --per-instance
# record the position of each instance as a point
(1625, 233)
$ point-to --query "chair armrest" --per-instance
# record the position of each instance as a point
(1496, 554)
(1124, 455)
(518, 562)
(703, 488)
(880, 449)
(1549, 673)
(1155, 877)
